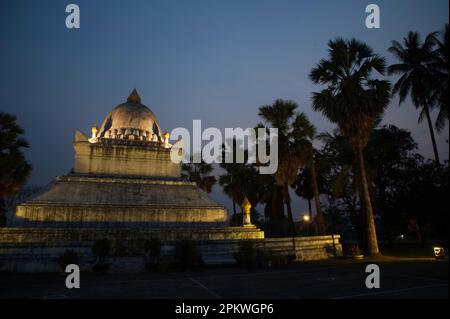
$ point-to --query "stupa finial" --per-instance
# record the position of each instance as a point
(134, 97)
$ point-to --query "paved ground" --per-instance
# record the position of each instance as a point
(400, 278)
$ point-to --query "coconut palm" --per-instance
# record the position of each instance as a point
(353, 100)
(416, 58)
(14, 169)
(440, 71)
(295, 134)
(200, 174)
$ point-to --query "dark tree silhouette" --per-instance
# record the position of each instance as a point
(14, 169)
(440, 77)
(295, 135)
(353, 100)
(416, 58)
(199, 173)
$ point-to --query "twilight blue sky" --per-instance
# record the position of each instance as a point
(214, 60)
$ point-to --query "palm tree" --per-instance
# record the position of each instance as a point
(295, 134)
(353, 100)
(307, 134)
(440, 74)
(14, 169)
(303, 188)
(200, 174)
(310, 163)
(232, 186)
(271, 194)
(388, 152)
(229, 181)
(416, 79)
(241, 180)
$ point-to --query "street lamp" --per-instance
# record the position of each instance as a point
(439, 252)
(307, 223)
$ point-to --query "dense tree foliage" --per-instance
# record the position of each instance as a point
(14, 168)
(199, 173)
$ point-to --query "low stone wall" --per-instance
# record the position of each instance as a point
(303, 248)
(37, 250)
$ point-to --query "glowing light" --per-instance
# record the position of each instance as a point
(166, 140)
(439, 252)
(94, 138)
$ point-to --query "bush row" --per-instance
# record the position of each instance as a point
(186, 256)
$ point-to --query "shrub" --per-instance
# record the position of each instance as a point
(119, 249)
(246, 254)
(163, 266)
(152, 250)
(69, 257)
(250, 256)
(186, 254)
(100, 268)
(351, 250)
(101, 249)
(152, 247)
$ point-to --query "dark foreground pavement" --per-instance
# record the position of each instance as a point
(400, 278)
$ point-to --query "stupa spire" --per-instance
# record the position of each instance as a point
(134, 97)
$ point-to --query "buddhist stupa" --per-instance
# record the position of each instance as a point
(123, 177)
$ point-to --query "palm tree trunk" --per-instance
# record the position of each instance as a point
(362, 218)
(287, 200)
(433, 139)
(310, 217)
(310, 209)
(319, 215)
(234, 217)
(371, 233)
(2, 212)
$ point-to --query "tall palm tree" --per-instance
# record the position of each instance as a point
(240, 180)
(233, 183)
(311, 165)
(200, 173)
(353, 100)
(303, 188)
(271, 194)
(440, 75)
(14, 168)
(295, 134)
(307, 135)
(416, 58)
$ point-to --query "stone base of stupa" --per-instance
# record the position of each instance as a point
(78, 201)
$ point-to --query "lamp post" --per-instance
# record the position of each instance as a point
(306, 221)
